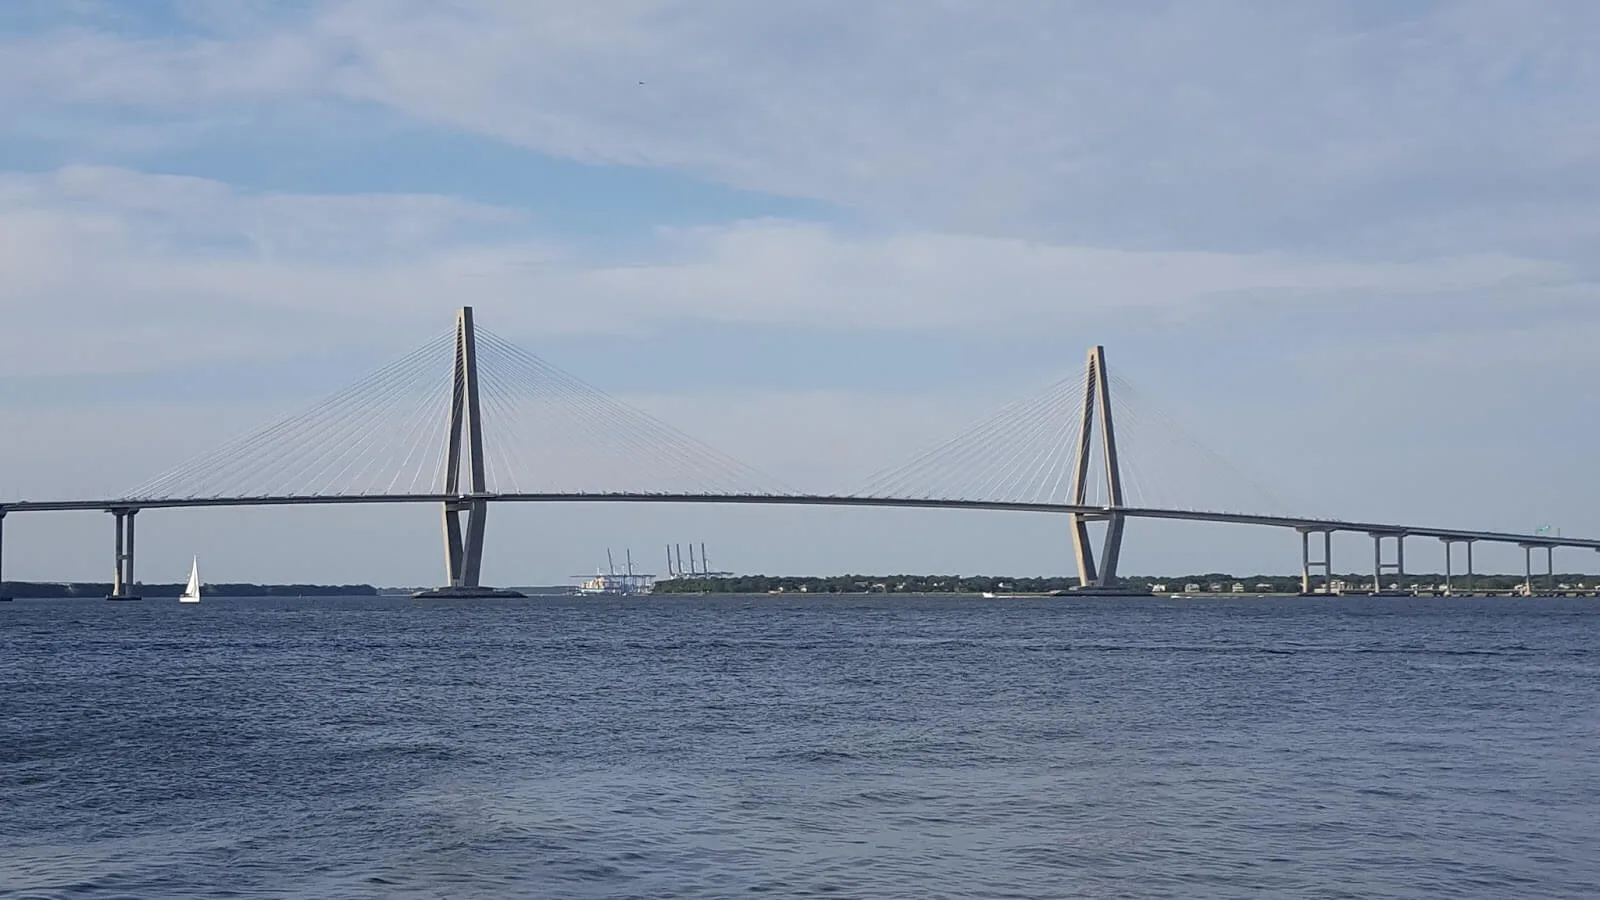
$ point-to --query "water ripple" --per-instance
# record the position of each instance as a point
(823, 747)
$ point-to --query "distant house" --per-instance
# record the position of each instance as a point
(1238, 588)
(1158, 589)
(1191, 588)
(1262, 587)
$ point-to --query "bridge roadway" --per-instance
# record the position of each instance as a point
(1305, 525)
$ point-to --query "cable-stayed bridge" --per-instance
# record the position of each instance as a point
(469, 420)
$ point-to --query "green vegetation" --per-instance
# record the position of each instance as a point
(51, 590)
(859, 584)
(1210, 582)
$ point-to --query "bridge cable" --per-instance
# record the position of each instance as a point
(622, 432)
(337, 444)
(281, 441)
(586, 425)
(1143, 413)
(1007, 456)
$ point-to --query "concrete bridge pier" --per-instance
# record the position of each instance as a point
(3, 595)
(1325, 563)
(464, 546)
(122, 571)
(1527, 568)
(1379, 567)
(1449, 583)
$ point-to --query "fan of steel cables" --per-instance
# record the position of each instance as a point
(544, 431)
(1026, 452)
(384, 434)
(1029, 453)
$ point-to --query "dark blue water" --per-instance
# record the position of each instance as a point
(720, 747)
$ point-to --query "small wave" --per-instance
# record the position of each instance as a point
(1282, 650)
(815, 755)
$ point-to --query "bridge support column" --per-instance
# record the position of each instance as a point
(1549, 568)
(3, 594)
(1379, 567)
(116, 561)
(1377, 563)
(122, 571)
(1449, 578)
(1449, 586)
(1097, 393)
(463, 542)
(1307, 563)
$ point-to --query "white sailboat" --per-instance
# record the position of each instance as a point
(191, 592)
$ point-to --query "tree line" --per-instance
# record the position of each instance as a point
(1209, 582)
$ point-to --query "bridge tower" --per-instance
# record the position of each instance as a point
(463, 542)
(1097, 394)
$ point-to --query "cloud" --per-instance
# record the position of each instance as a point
(1224, 126)
(122, 268)
(1050, 119)
(128, 271)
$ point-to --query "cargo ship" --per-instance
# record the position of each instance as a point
(612, 583)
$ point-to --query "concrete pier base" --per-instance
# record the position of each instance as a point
(1094, 591)
(465, 592)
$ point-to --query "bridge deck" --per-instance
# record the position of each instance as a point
(1308, 524)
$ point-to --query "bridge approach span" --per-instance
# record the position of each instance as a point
(1313, 525)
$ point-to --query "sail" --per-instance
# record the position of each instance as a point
(191, 592)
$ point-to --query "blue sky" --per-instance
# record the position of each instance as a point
(1348, 245)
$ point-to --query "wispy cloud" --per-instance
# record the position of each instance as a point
(1226, 126)
(119, 265)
